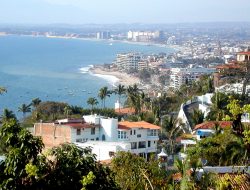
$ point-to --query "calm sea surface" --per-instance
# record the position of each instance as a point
(54, 69)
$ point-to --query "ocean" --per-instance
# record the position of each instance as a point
(57, 69)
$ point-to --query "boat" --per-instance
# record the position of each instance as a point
(111, 44)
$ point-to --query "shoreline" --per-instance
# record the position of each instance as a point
(174, 47)
(116, 76)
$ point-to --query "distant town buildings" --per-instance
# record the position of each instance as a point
(143, 36)
(103, 35)
(105, 135)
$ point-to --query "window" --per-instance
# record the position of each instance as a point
(78, 131)
(139, 136)
(133, 145)
(134, 132)
(93, 131)
(111, 154)
(149, 143)
(122, 134)
(142, 144)
(131, 132)
(103, 138)
(152, 132)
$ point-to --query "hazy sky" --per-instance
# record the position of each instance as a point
(122, 11)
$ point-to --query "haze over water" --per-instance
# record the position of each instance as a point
(49, 68)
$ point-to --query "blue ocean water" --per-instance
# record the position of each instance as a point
(48, 68)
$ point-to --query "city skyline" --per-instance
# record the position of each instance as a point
(111, 12)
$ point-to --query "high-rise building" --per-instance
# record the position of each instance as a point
(180, 76)
(103, 35)
(128, 61)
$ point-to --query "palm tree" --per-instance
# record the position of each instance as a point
(218, 107)
(24, 109)
(92, 101)
(2, 90)
(67, 111)
(172, 128)
(35, 102)
(7, 115)
(103, 93)
(120, 90)
(183, 167)
(133, 95)
(197, 117)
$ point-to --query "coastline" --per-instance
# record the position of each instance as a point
(174, 47)
(116, 76)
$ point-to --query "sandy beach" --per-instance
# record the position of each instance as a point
(123, 78)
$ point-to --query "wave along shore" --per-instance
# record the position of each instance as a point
(115, 76)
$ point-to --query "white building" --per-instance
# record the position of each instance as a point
(128, 61)
(144, 36)
(180, 76)
(137, 137)
(105, 135)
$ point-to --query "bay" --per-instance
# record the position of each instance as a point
(49, 68)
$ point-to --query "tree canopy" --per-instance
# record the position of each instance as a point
(63, 167)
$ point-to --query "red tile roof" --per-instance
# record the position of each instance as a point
(140, 124)
(211, 124)
(244, 53)
(228, 66)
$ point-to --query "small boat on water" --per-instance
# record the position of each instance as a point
(111, 44)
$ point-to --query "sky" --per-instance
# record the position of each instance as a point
(123, 11)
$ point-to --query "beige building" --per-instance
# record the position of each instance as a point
(243, 56)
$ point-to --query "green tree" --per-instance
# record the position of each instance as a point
(197, 117)
(222, 149)
(67, 111)
(24, 109)
(92, 101)
(63, 167)
(182, 167)
(50, 111)
(7, 115)
(171, 129)
(133, 98)
(103, 94)
(35, 102)
(139, 173)
(219, 107)
(21, 148)
(120, 90)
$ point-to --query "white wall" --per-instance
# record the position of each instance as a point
(102, 149)
(85, 134)
(109, 128)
